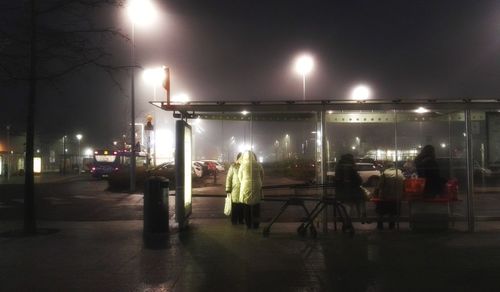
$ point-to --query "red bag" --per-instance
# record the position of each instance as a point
(451, 190)
(414, 187)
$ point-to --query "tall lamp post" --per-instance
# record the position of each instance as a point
(140, 12)
(9, 152)
(64, 155)
(287, 141)
(78, 156)
(304, 64)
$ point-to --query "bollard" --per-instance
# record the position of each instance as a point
(156, 205)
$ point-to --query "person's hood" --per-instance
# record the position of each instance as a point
(247, 157)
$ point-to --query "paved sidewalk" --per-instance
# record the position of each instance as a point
(215, 256)
(42, 178)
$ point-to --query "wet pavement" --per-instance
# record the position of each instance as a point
(50, 177)
(216, 256)
(98, 246)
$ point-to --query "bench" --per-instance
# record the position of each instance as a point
(449, 198)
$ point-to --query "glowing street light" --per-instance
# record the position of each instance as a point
(421, 110)
(141, 13)
(304, 64)
(361, 93)
(181, 98)
(88, 152)
(154, 77)
(287, 142)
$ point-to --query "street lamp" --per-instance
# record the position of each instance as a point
(9, 153)
(303, 66)
(79, 138)
(88, 152)
(141, 13)
(64, 154)
(421, 110)
(287, 141)
(154, 77)
(181, 98)
(361, 93)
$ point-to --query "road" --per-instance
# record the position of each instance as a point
(77, 198)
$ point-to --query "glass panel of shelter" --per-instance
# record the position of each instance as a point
(284, 143)
(485, 135)
(380, 137)
(289, 145)
(445, 132)
(370, 137)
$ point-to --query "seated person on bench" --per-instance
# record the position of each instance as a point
(389, 192)
(348, 186)
(428, 168)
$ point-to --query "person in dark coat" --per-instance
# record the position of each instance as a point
(428, 168)
(348, 185)
(389, 191)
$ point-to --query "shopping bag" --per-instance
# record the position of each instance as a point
(414, 187)
(227, 205)
(451, 191)
(367, 196)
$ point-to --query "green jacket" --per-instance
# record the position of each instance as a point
(233, 183)
(250, 175)
(391, 185)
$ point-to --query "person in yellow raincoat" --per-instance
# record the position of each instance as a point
(251, 176)
(233, 188)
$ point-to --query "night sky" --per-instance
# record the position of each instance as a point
(227, 50)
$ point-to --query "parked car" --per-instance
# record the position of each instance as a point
(481, 171)
(169, 167)
(369, 173)
(198, 169)
(166, 169)
(218, 165)
(204, 167)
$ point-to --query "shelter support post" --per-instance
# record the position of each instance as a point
(470, 172)
(321, 156)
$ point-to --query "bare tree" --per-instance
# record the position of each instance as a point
(44, 41)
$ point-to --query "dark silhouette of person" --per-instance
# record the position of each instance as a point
(428, 168)
(390, 192)
(348, 185)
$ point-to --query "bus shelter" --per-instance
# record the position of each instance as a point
(302, 140)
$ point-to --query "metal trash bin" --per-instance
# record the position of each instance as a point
(156, 205)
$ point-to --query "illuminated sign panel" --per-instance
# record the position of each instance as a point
(187, 169)
(183, 189)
